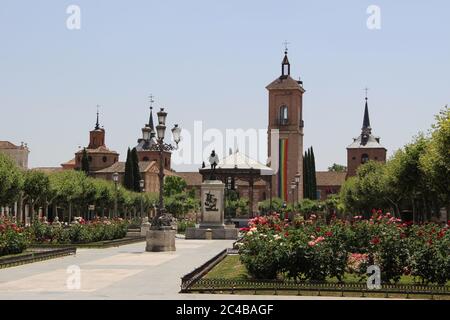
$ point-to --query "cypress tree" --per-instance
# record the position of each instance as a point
(313, 176)
(310, 178)
(129, 177)
(136, 172)
(305, 176)
(85, 162)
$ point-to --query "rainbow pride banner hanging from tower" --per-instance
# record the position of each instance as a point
(282, 174)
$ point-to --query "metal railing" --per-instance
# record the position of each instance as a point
(11, 261)
(226, 285)
(191, 278)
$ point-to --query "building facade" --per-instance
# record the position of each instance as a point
(19, 154)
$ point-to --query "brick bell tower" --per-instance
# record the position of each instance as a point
(286, 115)
(365, 147)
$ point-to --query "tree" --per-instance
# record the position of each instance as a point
(435, 161)
(11, 181)
(337, 168)
(309, 175)
(68, 188)
(174, 185)
(406, 183)
(365, 191)
(129, 174)
(313, 183)
(306, 180)
(136, 171)
(36, 185)
(85, 162)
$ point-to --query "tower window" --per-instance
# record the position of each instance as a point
(285, 69)
(283, 115)
(105, 159)
(145, 159)
(364, 158)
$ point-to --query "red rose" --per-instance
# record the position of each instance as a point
(329, 233)
(375, 240)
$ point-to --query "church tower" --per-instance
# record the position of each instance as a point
(99, 156)
(286, 116)
(365, 147)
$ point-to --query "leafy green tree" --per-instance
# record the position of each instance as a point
(104, 196)
(68, 186)
(136, 171)
(11, 181)
(277, 205)
(85, 162)
(174, 185)
(337, 168)
(35, 187)
(435, 161)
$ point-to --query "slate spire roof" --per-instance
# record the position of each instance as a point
(150, 120)
(366, 139)
(366, 121)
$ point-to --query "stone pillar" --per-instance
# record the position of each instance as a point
(213, 206)
(161, 240)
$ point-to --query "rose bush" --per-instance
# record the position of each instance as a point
(312, 250)
(13, 239)
(78, 232)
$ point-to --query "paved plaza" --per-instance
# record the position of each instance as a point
(126, 272)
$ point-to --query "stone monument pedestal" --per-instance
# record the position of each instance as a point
(160, 240)
(212, 217)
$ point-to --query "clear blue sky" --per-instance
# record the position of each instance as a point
(211, 60)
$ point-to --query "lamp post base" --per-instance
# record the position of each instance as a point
(160, 240)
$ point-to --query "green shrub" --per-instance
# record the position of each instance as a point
(13, 239)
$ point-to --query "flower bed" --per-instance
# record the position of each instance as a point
(13, 239)
(79, 232)
(314, 251)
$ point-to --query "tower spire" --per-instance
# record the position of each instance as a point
(97, 124)
(150, 120)
(366, 120)
(285, 65)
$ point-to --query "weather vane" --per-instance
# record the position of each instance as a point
(286, 44)
(97, 124)
(366, 90)
(151, 101)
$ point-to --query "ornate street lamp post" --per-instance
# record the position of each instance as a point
(293, 186)
(142, 185)
(297, 183)
(116, 187)
(161, 218)
(228, 192)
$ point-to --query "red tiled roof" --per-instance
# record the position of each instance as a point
(191, 178)
(8, 145)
